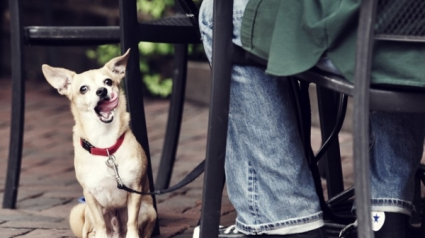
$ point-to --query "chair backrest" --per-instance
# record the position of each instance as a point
(402, 20)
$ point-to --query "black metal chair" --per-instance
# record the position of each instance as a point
(365, 98)
(179, 29)
(36, 35)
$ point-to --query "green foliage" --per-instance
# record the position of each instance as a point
(154, 8)
(104, 53)
(158, 86)
(153, 56)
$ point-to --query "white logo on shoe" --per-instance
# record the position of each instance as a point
(378, 219)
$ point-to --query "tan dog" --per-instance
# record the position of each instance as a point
(99, 109)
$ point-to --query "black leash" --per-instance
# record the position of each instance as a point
(198, 170)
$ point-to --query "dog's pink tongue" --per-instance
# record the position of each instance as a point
(107, 106)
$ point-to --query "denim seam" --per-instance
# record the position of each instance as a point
(372, 141)
(252, 189)
(280, 224)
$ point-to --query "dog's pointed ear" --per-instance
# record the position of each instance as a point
(118, 64)
(59, 78)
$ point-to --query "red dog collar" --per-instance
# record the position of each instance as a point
(102, 151)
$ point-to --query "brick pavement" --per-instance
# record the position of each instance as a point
(48, 188)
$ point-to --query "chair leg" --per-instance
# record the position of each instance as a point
(137, 115)
(18, 109)
(361, 117)
(133, 85)
(423, 222)
(218, 119)
(302, 102)
(175, 113)
(421, 205)
(416, 218)
(328, 108)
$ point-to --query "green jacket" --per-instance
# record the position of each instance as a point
(293, 34)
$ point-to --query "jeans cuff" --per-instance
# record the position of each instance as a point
(392, 205)
(285, 227)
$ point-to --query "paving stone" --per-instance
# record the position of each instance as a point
(40, 188)
(41, 203)
(172, 224)
(43, 233)
(194, 211)
(177, 204)
(61, 211)
(167, 217)
(20, 219)
(74, 191)
(228, 219)
(40, 223)
(12, 214)
(13, 232)
(195, 193)
(173, 230)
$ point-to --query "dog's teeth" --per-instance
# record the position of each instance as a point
(106, 116)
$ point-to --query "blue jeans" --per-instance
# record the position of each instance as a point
(268, 179)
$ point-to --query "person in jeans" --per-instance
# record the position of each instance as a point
(268, 179)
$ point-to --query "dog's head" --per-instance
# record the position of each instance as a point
(94, 93)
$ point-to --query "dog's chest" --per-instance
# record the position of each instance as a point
(99, 179)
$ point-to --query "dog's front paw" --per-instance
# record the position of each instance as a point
(132, 234)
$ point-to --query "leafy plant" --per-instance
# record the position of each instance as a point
(155, 58)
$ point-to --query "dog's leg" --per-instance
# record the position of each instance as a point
(91, 234)
(147, 217)
(133, 207)
(88, 230)
(96, 214)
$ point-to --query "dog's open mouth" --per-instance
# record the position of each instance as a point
(105, 108)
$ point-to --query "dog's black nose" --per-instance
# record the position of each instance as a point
(101, 92)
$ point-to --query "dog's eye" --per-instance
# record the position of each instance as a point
(108, 82)
(83, 89)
